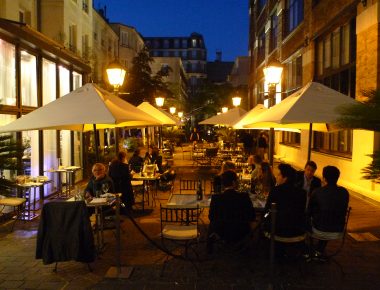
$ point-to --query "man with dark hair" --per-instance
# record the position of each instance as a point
(231, 212)
(307, 180)
(290, 203)
(328, 207)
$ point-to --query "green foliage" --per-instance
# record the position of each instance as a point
(226, 134)
(175, 135)
(365, 115)
(141, 84)
(131, 143)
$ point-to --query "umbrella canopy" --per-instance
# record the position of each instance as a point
(314, 103)
(228, 119)
(313, 107)
(247, 117)
(79, 110)
(162, 116)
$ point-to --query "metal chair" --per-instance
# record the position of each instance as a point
(17, 203)
(190, 185)
(179, 226)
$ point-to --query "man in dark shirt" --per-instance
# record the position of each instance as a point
(307, 180)
(328, 207)
(231, 213)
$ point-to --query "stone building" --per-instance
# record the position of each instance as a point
(335, 42)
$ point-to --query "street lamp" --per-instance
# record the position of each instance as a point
(236, 101)
(159, 101)
(116, 75)
(224, 110)
(180, 115)
(172, 110)
(272, 73)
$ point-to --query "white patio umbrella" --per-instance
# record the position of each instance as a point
(227, 119)
(162, 116)
(247, 117)
(87, 108)
(313, 107)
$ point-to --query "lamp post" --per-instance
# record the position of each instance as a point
(224, 110)
(180, 115)
(160, 103)
(116, 75)
(272, 75)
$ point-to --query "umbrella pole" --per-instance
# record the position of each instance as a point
(271, 146)
(96, 144)
(310, 139)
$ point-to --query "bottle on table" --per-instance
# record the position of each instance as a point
(199, 190)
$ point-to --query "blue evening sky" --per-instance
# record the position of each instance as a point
(223, 23)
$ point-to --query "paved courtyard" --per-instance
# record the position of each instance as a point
(356, 267)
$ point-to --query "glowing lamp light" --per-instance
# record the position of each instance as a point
(224, 110)
(160, 101)
(172, 110)
(236, 101)
(180, 114)
(273, 73)
(218, 113)
(116, 74)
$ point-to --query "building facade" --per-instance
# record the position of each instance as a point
(35, 70)
(338, 49)
(192, 51)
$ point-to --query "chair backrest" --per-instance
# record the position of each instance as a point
(181, 216)
(190, 185)
(211, 152)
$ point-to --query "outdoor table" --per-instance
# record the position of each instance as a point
(187, 200)
(69, 173)
(29, 192)
(146, 179)
(97, 203)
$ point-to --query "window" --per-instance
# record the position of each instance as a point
(166, 53)
(73, 38)
(184, 54)
(85, 6)
(194, 54)
(336, 68)
(156, 43)
(176, 43)
(273, 31)
(294, 14)
(294, 74)
(166, 43)
(260, 5)
(194, 42)
(291, 138)
(124, 38)
(184, 43)
(28, 79)
(85, 47)
(261, 48)
(7, 74)
(77, 80)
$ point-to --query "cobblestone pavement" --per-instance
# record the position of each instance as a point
(356, 267)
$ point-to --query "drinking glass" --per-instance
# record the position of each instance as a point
(258, 188)
(105, 187)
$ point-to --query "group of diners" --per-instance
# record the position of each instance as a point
(119, 175)
(301, 199)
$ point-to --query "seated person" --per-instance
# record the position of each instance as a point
(119, 172)
(153, 157)
(231, 213)
(257, 160)
(328, 207)
(306, 180)
(290, 203)
(136, 162)
(265, 180)
(228, 165)
(94, 186)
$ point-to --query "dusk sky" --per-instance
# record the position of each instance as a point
(223, 23)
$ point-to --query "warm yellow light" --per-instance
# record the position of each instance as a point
(218, 113)
(116, 74)
(273, 73)
(180, 114)
(160, 101)
(224, 110)
(172, 110)
(236, 101)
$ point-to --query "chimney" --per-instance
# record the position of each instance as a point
(218, 56)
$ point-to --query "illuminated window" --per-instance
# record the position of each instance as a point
(28, 79)
(194, 43)
(7, 74)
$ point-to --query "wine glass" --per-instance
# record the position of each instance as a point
(258, 188)
(105, 187)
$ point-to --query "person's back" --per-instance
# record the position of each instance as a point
(136, 162)
(231, 212)
(290, 203)
(328, 204)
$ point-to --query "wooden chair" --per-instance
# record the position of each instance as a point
(179, 226)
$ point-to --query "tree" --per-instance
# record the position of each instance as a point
(141, 85)
(365, 115)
